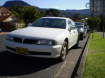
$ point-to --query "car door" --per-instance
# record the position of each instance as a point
(70, 34)
(74, 32)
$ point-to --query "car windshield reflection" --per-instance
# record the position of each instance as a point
(50, 23)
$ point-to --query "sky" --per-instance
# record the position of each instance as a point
(57, 4)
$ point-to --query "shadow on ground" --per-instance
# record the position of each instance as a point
(14, 65)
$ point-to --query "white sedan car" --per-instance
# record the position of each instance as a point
(48, 37)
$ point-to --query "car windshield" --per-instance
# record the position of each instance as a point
(50, 23)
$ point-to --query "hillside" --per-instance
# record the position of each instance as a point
(82, 11)
(64, 12)
(15, 3)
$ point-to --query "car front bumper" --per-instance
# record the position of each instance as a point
(34, 50)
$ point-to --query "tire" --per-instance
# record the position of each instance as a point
(64, 51)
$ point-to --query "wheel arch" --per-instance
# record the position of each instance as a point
(66, 39)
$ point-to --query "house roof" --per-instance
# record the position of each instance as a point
(4, 13)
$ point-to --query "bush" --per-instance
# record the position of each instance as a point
(7, 26)
(94, 23)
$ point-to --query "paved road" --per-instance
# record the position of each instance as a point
(13, 66)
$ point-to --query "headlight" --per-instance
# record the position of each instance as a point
(9, 38)
(46, 42)
(81, 30)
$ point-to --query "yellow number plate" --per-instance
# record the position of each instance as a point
(21, 50)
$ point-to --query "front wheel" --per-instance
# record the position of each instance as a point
(64, 51)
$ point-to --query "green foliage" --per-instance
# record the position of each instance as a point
(97, 23)
(77, 15)
(26, 14)
(7, 26)
(53, 12)
(94, 22)
(31, 14)
(102, 23)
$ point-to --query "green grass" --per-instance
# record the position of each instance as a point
(95, 62)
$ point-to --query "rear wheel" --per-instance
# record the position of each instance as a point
(64, 51)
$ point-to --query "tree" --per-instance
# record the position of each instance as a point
(31, 14)
(27, 14)
(94, 23)
(77, 15)
(53, 12)
(102, 24)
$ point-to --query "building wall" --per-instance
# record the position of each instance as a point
(7, 19)
(97, 6)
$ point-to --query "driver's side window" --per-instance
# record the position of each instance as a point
(69, 25)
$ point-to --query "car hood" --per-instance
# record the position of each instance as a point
(38, 32)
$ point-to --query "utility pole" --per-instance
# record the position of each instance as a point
(92, 6)
(103, 16)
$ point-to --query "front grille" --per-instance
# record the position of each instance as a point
(19, 40)
(25, 41)
(30, 41)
